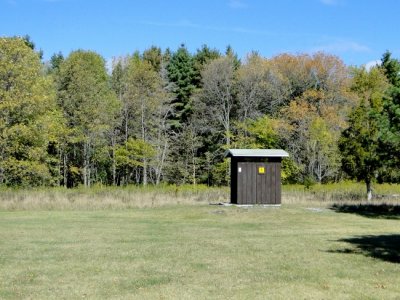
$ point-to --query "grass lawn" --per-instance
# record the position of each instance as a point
(199, 252)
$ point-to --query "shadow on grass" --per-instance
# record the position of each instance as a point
(384, 247)
(384, 211)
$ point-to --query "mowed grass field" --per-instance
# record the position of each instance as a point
(200, 251)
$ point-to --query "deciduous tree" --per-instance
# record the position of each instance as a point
(29, 119)
(216, 101)
(89, 106)
(148, 103)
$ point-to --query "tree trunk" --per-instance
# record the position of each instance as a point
(126, 116)
(143, 127)
(319, 173)
(144, 171)
(228, 130)
(1, 168)
(86, 166)
(114, 167)
(161, 163)
(1, 175)
(369, 190)
(65, 169)
(194, 168)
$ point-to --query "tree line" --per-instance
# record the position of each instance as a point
(168, 116)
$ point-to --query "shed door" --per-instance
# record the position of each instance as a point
(246, 183)
(258, 183)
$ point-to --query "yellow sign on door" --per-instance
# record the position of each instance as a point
(261, 170)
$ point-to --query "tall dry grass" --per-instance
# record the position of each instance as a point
(342, 193)
(103, 197)
(97, 198)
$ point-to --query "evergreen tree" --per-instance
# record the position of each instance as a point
(230, 53)
(55, 62)
(181, 72)
(203, 56)
(154, 57)
(391, 118)
(391, 68)
(117, 75)
(360, 142)
(28, 41)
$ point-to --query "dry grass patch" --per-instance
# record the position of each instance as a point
(344, 192)
(98, 198)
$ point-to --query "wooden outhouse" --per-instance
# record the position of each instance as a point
(256, 175)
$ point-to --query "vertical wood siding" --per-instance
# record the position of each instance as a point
(248, 186)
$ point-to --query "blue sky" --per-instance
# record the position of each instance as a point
(358, 31)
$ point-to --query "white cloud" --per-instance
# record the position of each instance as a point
(342, 46)
(369, 65)
(109, 65)
(236, 4)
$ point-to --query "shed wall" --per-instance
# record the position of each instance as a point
(249, 186)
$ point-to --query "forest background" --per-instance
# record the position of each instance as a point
(169, 116)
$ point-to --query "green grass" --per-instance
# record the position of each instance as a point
(198, 252)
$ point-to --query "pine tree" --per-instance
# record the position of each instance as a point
(203, 56)
(181, 72)
(360, 142)
(391, 118)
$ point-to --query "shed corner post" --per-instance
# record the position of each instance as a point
(233, 180)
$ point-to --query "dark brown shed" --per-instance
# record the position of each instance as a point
(256, 175)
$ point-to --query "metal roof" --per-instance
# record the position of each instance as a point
(256, 153)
